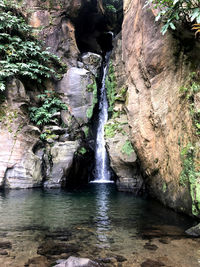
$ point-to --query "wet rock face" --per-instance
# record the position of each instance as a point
(58, 163)
(53, 21)
(124, 162)
(159, 116)
(78, 87)
(123, 158)
(20, 168)
(194, 231)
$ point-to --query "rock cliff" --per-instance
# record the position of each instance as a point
(43, 156)
(160, 111)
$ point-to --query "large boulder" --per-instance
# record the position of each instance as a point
(194, 231)
(77, 262)
(77, 95)
(59, 162)
(123, 158)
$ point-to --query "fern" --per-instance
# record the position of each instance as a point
(21, 54)
(50, 104)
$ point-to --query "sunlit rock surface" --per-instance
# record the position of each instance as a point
(159, 115)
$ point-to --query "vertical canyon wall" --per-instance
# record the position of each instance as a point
(162, 128)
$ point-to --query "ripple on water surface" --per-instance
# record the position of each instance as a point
(116, 229)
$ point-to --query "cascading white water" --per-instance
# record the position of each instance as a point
(102, 170)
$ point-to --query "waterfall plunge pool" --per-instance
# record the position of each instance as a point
(117, 229)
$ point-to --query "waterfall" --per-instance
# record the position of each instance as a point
(102, 169)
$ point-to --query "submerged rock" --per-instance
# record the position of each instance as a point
(54, 248)
(194, 231)
(152, 263)
(150, 246)
(5, 245)
(77, 262)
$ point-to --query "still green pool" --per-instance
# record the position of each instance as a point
(39, 227)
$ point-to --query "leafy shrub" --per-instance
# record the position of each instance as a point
(82, 150)
(50, 104)
(172, 12)
(112, 128)
(127, 148)
(20, 53)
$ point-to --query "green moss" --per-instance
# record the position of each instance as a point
(45, 136)
(188, 91)
(190, 176)
(127, 148)
(111, 87)
(111, 128)
(92, 88)
(82, 150)
(121, 96)
(164, 188)
(86, 131)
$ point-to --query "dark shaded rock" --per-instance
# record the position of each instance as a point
(120, 258)
(3, 252)
(164, 241)
(151, 263)
(150, 246)
(108, 260)
(54, 248)
(194, 231)
(77, 262)
(5, 245)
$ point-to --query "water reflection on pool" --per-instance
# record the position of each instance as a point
(117, 229)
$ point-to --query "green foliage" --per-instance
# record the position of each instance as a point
(111, 8)
(82, 150)
(164, 187)
(127, 148)
(188, 91)
(111, 87)
(47, 135)
(86, 131)
(112, 5)
(92, 88)
(21, 54)
(173, 12)
(50, 104)
(121, 96)
(111, 128)
(113, 11)
(190, 176)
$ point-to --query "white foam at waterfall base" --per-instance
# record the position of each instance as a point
(102, 182)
